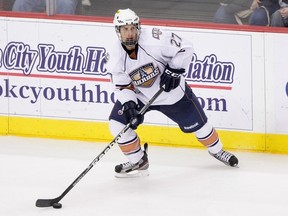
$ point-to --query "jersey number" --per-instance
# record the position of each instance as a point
(176, 40)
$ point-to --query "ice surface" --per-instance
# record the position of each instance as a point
(181, 182)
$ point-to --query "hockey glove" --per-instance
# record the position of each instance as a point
(132, 115)
(170, 79)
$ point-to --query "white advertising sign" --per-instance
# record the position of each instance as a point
(277, 83)
(55, 72)
(56, 69)
(220, 78)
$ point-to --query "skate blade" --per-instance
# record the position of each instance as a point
(133, 174)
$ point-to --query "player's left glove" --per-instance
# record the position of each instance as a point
(170, 79)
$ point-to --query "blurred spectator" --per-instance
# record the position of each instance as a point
(6, 5)
(263, 11)
(86, 3)
(256, 12)
(62, 6)
(233, 11)
(280, 17)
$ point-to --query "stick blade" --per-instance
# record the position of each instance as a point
(46, 202)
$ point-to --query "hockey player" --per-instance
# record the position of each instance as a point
(144, 61)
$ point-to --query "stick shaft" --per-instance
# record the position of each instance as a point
(50, 202)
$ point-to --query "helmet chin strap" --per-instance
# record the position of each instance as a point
(129, 42)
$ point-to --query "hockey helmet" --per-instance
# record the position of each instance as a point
(126, 17)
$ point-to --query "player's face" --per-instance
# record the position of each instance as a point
(129, 34)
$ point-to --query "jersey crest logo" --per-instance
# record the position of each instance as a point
(145, 76)
(156, 33)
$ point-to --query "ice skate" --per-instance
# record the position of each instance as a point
(226, 157)
(130, 170)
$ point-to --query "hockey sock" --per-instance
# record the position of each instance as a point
(208, 136)
(129, 143)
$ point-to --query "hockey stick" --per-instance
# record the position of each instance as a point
(51, 202)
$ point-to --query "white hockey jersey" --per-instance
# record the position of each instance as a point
(157, 48)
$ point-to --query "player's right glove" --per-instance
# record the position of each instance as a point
(132, 114)
(170, 79)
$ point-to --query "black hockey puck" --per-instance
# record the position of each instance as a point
(57, 205)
